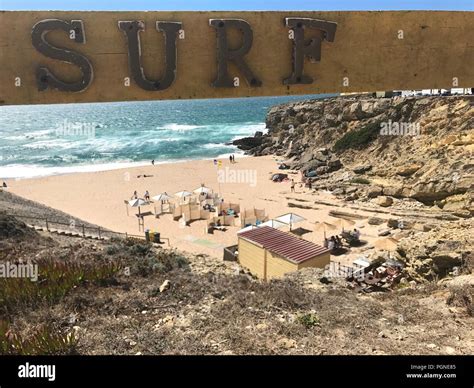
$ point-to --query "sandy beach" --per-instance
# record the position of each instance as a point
(98, 198)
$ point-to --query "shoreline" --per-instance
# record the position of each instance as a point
(114, 166)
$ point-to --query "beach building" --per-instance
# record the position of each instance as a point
(270, 253)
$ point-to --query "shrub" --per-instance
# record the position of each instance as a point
(43, 341)
(143, 259)
(460, 297)
(112, 250)
(309, 320)
(358, 139)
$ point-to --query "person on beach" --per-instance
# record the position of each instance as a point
(153, 162)
(230, 158)
(356, 234)
(331, 244)
(292, 187)
(4, 185)
(147, 196)
(135, 195)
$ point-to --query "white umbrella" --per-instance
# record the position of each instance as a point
(203, 190)
(324, 226)
(290, 219)
(137, 203)
(342, 223)
(162, 197)
(183, 194)
(273, 224)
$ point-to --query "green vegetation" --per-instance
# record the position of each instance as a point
(42, 341)
(55, 279)
(309, 320)
(146, 260)
(362, 181)
(358, 139)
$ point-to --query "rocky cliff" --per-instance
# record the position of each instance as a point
(418, 148)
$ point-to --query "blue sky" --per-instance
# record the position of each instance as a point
(240, 5)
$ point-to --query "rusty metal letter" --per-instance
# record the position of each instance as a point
(225, 54)
(44, 77)
(132, 31)
(310, 49)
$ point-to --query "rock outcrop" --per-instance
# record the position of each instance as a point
(419, 148)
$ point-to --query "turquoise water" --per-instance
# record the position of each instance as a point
(39, 140)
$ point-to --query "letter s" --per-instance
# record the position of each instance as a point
(44, 77)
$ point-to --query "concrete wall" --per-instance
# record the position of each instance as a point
(436, 47)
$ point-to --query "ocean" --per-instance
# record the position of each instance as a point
(41, 140)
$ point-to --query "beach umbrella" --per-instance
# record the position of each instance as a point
(324, 226)
(162, 197)
(203, 190)
(386, 244)
(342, 223)
(290, 219)
(183, 194)
(273, 224)
(137, 203)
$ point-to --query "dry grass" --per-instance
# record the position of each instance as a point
(462, 297)
(213, 312)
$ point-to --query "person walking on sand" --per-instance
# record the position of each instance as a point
(230, 158)
(292, 187)
(135, 195)
(147, 196)
(153, 162)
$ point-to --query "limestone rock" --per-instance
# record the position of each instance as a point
(384, 201)
(374, 191)
(165, 285)
(362, 169)
(408, 170)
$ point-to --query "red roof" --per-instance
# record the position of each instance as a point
(284, 244)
